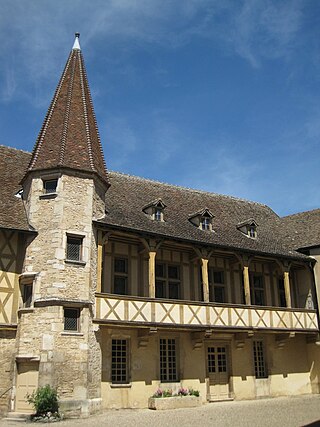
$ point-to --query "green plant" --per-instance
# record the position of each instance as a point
(194, 392)
(44, 399)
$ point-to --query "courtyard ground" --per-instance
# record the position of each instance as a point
(285, 412)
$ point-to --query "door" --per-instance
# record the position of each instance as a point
(217, 372)
(27, 382)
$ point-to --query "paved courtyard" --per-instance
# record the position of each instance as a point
(284, 412)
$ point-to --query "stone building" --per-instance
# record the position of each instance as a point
(113, 286)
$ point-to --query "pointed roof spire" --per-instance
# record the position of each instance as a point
(69, 136)
(76, 44)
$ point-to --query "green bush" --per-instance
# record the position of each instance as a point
(44, 399)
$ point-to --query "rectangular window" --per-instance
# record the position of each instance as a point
(74, 248)
(260, 367)
(217, 290)
(167, 281)
(71, 319)
(120, 361)
(50, 186)
(120, 280)
(257, 290)
(27, 295)
(281, 293)
(168, 360)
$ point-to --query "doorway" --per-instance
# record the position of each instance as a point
(27, 382)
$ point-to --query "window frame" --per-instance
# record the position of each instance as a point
(77, 312)
(119, 274)
(50, 180)
(167, 360)
(255, 290)
(213, 285)
(113, 360)
(80, 239)
(166, 280)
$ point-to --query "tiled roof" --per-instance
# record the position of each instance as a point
(302, 229)
(128, 195)
(12, 167)
(69, 135)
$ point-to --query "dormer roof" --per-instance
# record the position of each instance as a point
(69, 136)
(202, 213)
(248, 222)
(157, 203)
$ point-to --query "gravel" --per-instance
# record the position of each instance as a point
(285, 412)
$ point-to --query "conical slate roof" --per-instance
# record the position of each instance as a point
(69, 136)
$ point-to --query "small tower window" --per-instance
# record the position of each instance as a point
(74, 248)
(71, 319)
(50, 186)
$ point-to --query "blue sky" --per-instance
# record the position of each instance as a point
(221, 96)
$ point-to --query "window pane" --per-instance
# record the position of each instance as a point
(218, 277)
(120, 285)
(160, 289)
(219, 294)
(174, 290)
(160, 270)
(27, 295)
(120, 265)
(173, 272)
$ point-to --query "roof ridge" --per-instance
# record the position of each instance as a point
(300, 213)
(14, 148)
(190, 189)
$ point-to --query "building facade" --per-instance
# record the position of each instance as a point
(113, 286)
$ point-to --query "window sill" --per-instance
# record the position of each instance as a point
(72, 333)
(48, 196)
(129, 385)
(23, 310)
(71, 261)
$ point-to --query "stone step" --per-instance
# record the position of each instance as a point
(16, 416)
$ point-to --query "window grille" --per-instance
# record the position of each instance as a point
(260, 367)
(168, 360)
(71, 319)
(50, 186)
(74, 245)
(119, 361)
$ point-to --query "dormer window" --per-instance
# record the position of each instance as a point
(155, 210)
(249, 228)
(158, 214)
(252, 231)
(202, 219)
(205, 223)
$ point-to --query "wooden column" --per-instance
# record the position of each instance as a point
(99, 260)
(152, 274)
(205, 279)
(246, 284)
(287, 288)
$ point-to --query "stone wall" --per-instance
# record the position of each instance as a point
(7, 353)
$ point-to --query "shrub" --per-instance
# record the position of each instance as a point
(194, 392)
(44, 399)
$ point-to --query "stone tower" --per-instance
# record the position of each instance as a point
(64, 191)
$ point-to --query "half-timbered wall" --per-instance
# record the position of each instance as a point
(10, 269)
